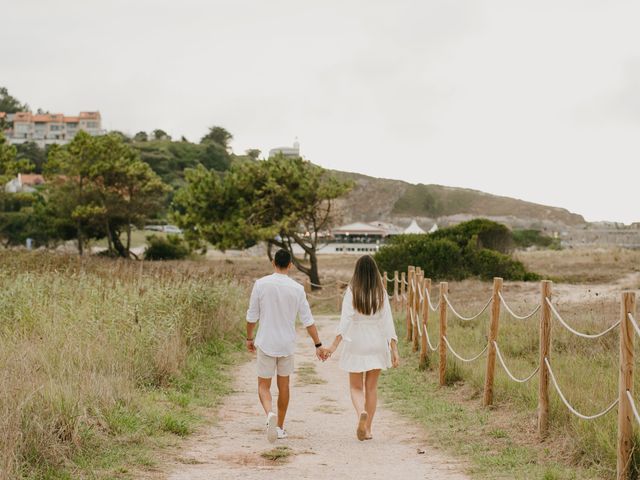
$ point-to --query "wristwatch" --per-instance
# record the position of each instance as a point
(318, 345)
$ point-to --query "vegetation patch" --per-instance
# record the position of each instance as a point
(307, 375)
(102, 361)
(277, 454)
(479, 248)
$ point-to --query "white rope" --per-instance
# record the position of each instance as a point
(576, 332)
(568, 405)
(317, 297)
(633, 407)
(508, 372)
(461, 317)
(462, 358)
(515, 315)
(634, 323)
(433, 309)
(417, 323)
(426, 332)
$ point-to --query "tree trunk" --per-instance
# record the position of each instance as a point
(109, 237)
(270, 250)
(120, 249)
(313, 274)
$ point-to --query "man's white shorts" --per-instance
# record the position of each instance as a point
(268, 366)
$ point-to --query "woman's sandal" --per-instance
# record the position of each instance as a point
(361, 432)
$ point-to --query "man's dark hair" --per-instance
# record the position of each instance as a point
(282, 258)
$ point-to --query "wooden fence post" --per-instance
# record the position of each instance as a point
(307, 285)
(411, 276)
(625, 414)
(395, 290)
(402, 290)
(545, 347)
(444, 290)
(417, 313)
(424, 318)
(487, 398)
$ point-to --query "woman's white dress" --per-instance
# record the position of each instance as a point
(366, 338)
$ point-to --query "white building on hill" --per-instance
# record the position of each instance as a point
(288, 152)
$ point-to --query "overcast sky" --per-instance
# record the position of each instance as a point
(538, 100)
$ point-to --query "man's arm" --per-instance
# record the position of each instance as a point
(304, 311)
(253, 315)
(321, 352)
(250, 329)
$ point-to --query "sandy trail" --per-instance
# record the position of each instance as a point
(321, 428)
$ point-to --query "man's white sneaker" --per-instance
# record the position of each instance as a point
(272, 427)
(282, 434)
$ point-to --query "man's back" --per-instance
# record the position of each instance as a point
(276, 300)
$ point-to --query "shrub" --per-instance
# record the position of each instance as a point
(442, 258)
(487, 264)
(534, 238)
(475, 248)
(172, 247)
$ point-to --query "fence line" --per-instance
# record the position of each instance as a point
(515, 315)
(569, 406)
(462, 317)
(433, 309)
(508, 372)
(576, 332)
(459, 357)
(417, 299)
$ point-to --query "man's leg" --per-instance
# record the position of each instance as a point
(264, 393)
(283, 398)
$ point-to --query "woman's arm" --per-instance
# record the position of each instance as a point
(336, 343)
(395, 356)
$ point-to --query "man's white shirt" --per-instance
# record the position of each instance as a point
(276, 300)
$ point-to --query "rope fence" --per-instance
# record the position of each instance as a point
(416, 301)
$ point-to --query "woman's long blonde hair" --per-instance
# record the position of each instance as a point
(366, 286)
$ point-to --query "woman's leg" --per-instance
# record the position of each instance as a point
(356, 385)
(356, 382)
(371, 396)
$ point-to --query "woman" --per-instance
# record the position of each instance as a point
(371, 344)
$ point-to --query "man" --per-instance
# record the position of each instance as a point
(275, 301)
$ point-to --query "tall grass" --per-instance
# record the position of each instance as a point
(84, 343)
(587, 371)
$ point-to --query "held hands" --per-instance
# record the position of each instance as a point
(323, 354)
(251, 348)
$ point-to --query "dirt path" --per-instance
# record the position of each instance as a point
(321, 427)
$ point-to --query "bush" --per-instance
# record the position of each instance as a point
(442, 258)
(172, 247)
(534, 238)
(487, 264)
(475, 248)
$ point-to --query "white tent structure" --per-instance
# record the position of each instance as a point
(414, 228)
(434, 228)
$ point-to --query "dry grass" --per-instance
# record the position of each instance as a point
(602, 265)
(83, 346)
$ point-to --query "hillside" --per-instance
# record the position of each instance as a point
(398, 202)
